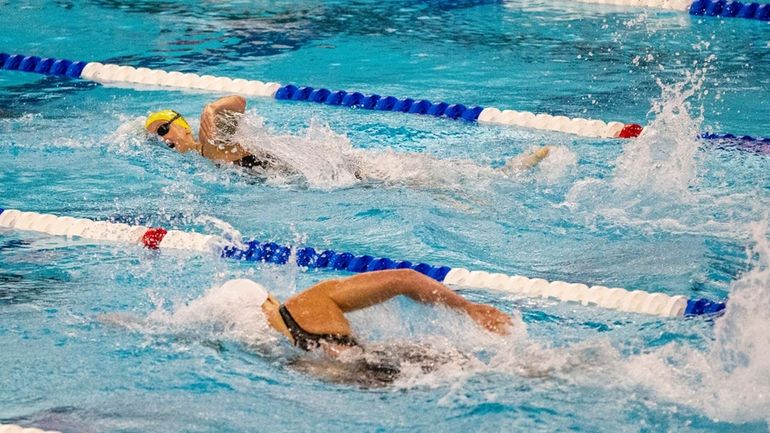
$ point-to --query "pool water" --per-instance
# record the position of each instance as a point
(116, 338)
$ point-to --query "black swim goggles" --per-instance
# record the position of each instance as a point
(165, 127)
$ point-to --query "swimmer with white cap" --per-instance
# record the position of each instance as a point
(315, 318)
(219, 121)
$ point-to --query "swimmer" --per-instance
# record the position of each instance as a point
(314, 321)
(219, 122)
(315, 318)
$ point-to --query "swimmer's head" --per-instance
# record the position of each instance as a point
(172, 128)
(247, 289)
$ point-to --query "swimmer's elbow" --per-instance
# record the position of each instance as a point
(406, 277)
(236, 103)
(231, 103)
(239, 103)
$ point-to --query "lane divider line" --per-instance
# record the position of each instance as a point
(636, 301)
(109, 73)
(152, 78)
(709, 8)
(747, 143)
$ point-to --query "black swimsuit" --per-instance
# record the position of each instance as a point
(251, 161)
(364, 372)
(307, 340)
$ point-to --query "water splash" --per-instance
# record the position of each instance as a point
(227, 231)
(662, 161)
(561, 161)
(320, 158)
(323, 159)
(130, 138)
(222, 312)
(729, 381)
(657, 181)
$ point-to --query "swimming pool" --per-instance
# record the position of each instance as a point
(663, 213)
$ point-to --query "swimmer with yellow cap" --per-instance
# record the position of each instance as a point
(218, 123)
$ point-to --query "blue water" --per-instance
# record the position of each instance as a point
(96, 337)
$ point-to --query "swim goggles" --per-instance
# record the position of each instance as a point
(165, 127)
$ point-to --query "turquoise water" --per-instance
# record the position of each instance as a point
(97, 336)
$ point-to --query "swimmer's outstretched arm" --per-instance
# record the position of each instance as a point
(371, 288)
(526, 161)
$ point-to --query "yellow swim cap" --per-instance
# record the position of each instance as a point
(165, 116)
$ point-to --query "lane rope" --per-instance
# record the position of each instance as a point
(709, 8)
(147, 78)
(150, 78)
(760, 145)
(636, 301)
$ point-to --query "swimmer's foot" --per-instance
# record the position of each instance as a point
(526, 161)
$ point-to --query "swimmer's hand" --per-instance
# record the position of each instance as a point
(525, 162)
(490, 318)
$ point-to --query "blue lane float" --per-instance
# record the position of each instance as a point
(706, 8)
(376, 102)
(697, 307)
(38, 65)
(730, 9)
(760, 145)
(270, 252)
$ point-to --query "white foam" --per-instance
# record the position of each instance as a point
(559, 163)
(130, 137)
(656, 181)
(324, 159)
(728, 381)
(223, 312)
(319, 157)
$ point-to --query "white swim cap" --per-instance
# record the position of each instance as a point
(246, 289)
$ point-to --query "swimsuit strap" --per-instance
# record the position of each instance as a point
(307, 340)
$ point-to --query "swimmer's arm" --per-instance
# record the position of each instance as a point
(230, 103)
(208, 129)
(371, 288)
(526, 161)
(209, 117)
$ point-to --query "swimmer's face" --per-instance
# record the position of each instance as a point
(178, 137)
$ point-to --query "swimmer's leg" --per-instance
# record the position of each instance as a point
(526, 161)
